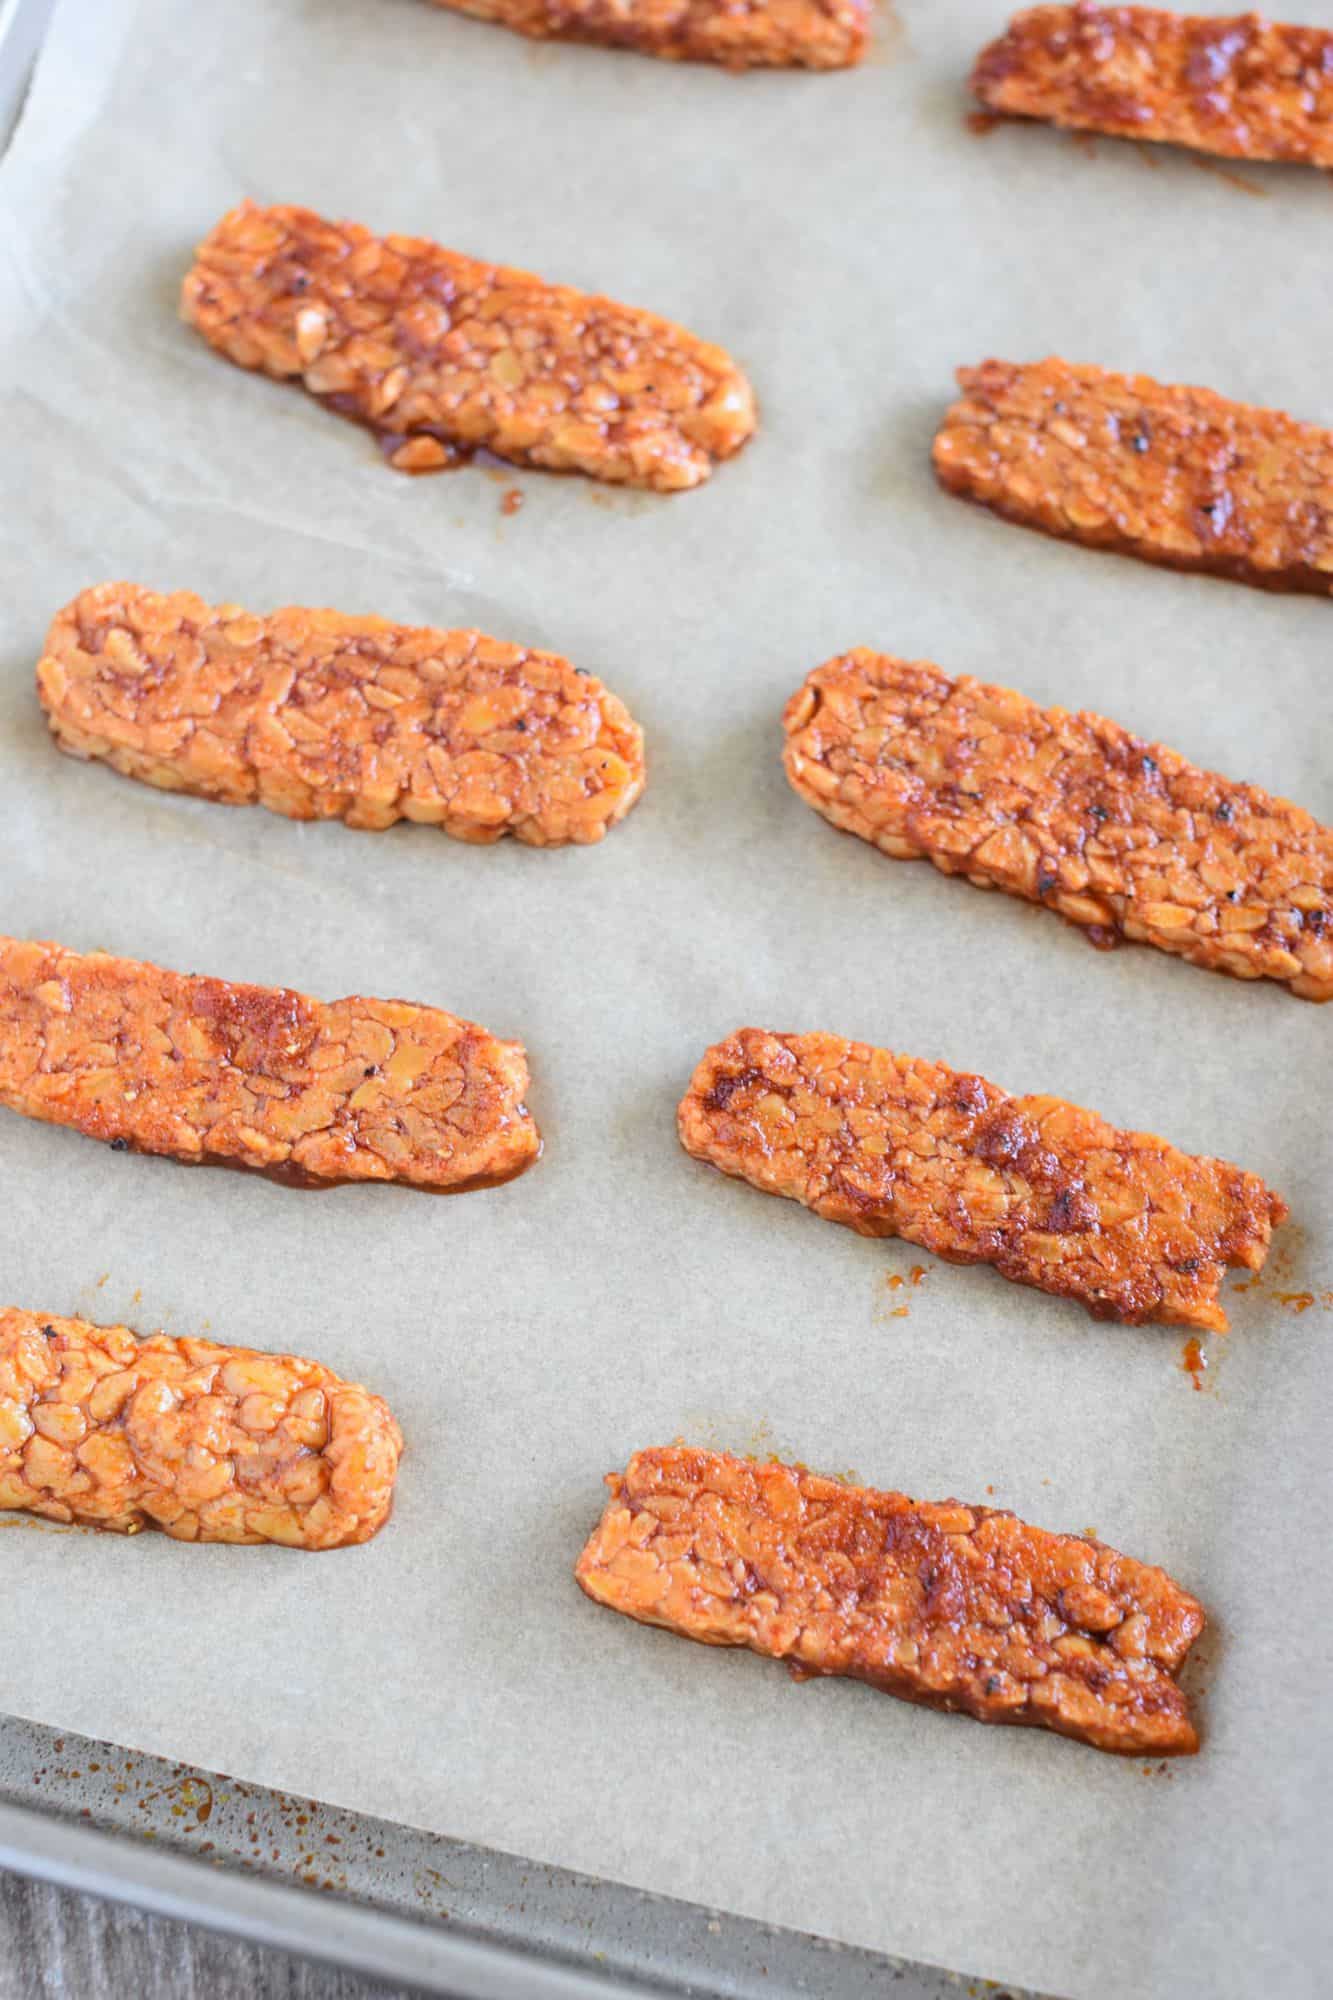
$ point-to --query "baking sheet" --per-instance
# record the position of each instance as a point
(850, 240)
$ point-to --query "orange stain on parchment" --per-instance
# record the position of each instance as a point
(895, 1281)
(1221, 173)
(1281, 1269)
(1194, 1361)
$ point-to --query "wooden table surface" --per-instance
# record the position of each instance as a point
(55, 1945)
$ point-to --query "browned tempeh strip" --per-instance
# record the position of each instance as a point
(1048, 1193)
(209, 1443)
(1237, 85)
(310, 1091)
(740, 34)
(954, 1607)
(321, 716)
(1071, 811)
(1171, 474)
(442, 354)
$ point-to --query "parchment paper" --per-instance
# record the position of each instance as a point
(850, 241)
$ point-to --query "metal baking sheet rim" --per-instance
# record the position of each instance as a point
(348, 1934)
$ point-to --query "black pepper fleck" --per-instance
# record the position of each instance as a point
(120, 1145)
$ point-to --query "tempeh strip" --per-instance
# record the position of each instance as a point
(208, 1443)
(1120, 836)
(781, 34)
(1170, 474)
(443, 354)
(320, 716)
(314, 1092)
(954, 1607)
(1238, 85)
(1048, 1193)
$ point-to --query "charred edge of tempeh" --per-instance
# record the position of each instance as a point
(953, 1607)
(1171, 474)
(204, 1071)
(317, 715)
(207, 1443)
(1120, 836)
(1237, 86)
(443, 354)
(769, 34)
(1046, 1192)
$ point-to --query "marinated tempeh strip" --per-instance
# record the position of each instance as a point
(951, 1607)
(320, 716)
(1173, 475)
(443, 354)
(314, 1092)
(208, 1443)
(1239, 86)
(1048, 1193)
(1070, 811)
(945, 1605)
(954, 1607)
(768, 34)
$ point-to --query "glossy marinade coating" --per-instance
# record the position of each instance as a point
(1048, 1193)
(1171, 474)
(953, 1607)
(208, 1443)
(783, 34)
(1120, 836)
(1239, 86)
(442, 354)
(310, 1091)
(320, 716)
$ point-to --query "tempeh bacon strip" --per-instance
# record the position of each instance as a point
(1070, 811)
(1237, 85)
(953, 1607)
(443, 354)
(781, 34)
(320, 716)
(1048, 1193)
(312, 1092)
(208, 1443)
(1170, 474)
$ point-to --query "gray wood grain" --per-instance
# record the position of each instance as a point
(55, 1945)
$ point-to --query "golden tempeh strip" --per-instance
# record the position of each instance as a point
(1239, 86)
(1121, 836)
(1170, 474)
(309, 1091)
(209, 1443)
(1048, 1193)
(953, 1607)
(444, 354)
(783, 34)
(320, 716)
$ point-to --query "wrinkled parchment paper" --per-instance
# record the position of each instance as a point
(850, 241)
